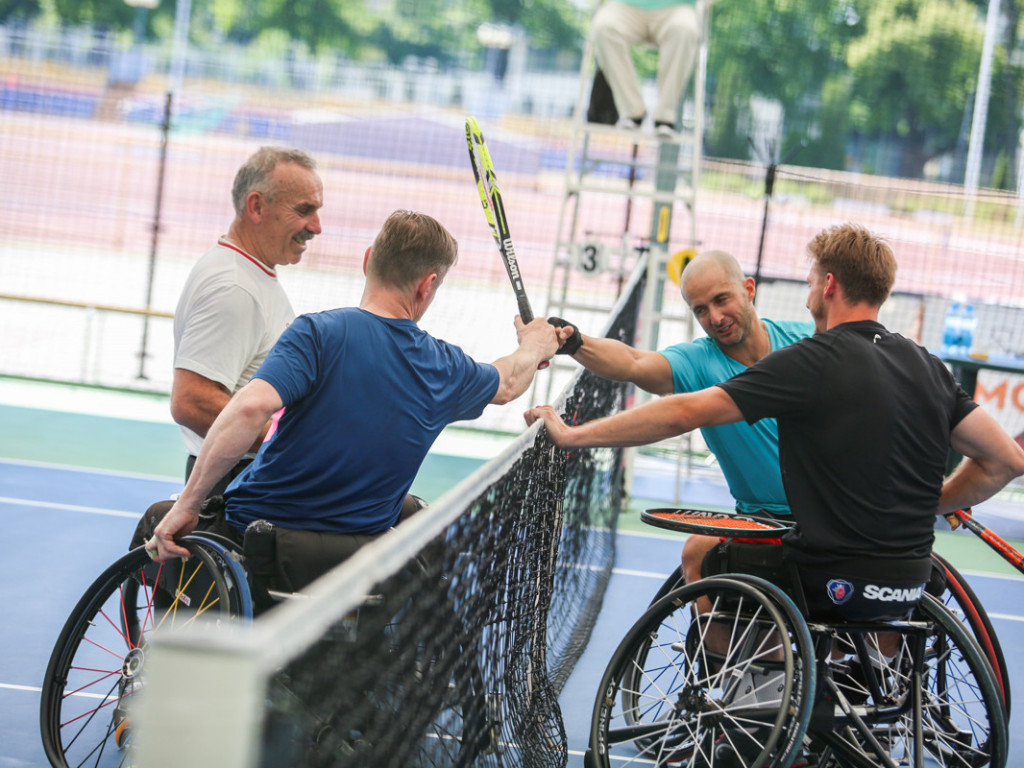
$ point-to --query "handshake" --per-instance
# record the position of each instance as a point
(570, 343)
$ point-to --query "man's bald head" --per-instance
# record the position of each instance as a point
(720, 297)
(708, 263)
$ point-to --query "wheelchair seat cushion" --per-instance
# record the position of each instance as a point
(304, 556)
(755, 558)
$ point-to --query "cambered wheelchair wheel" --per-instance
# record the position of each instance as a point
(99, 660)
(729, 685)
(964, 604)
(962, 722)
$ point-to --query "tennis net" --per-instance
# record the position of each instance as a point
(444, 643)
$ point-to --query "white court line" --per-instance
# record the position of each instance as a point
(91, 470)
(28, 688)
(1005, 616)
(37, 689)
(68, 507)
(641, 574)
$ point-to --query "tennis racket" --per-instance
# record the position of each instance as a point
(710, 523)
(1008, 553)
(494, 210)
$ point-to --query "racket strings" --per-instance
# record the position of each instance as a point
(697, 519)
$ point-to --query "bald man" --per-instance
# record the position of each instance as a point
(722, 299)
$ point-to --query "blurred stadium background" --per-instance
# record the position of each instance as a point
(121, 128)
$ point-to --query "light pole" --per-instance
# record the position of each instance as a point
(978, 122)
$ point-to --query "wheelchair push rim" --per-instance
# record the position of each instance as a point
(665, 699)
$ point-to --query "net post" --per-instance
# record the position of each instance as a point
(203, 703)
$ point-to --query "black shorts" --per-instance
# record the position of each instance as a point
(835, 597)
(760, 558)
(847, 590)
(865, 589)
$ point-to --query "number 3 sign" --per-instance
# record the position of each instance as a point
(591, 257)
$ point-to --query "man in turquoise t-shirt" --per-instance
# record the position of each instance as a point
(722, 300)
(669, 25)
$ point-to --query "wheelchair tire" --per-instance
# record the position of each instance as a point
(673, 581)
(961, 696)
(963, 723)
(98, 661)
(667, 698)
(964, 604)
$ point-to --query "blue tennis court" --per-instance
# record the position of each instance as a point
(65, 524)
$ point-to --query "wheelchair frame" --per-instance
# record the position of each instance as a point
(957, 596)
(669, 696)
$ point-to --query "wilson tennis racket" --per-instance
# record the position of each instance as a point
(710, 523)
(1008, 553)
(494, 210)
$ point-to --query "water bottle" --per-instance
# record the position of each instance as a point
(951, 330)
(967, 325)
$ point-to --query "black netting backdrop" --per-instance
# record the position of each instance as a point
(458, 659)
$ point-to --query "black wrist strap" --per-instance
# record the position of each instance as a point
(573, 343)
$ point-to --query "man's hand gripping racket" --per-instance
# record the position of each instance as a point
(1008, 553)
(494, 210)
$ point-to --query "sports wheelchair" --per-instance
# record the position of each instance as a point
(98, 664)
(748, 681)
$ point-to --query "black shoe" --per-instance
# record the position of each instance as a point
(738, 747)
(850, 679)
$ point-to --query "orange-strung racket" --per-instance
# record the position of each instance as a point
(1008, 553)
(710, 523)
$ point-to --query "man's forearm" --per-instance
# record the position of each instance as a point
(516, 372)
(232, 435)
(607, 358)
(612, 359)
(648, 423)
(972, 483)
(645, 424)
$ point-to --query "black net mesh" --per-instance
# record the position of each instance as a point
(458, 659)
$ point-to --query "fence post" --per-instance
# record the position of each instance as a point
(156, 233)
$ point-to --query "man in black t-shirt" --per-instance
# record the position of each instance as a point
(866, 419)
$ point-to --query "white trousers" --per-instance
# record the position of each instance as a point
(617, 27)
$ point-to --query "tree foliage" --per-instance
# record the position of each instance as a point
(913, 72)
(19, 9)
(786, 50)
(903, 71)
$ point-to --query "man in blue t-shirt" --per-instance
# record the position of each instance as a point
(722, 300)
(365, 392)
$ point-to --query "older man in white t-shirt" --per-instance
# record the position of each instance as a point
(232, 308)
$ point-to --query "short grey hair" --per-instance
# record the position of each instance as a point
(254, 175)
